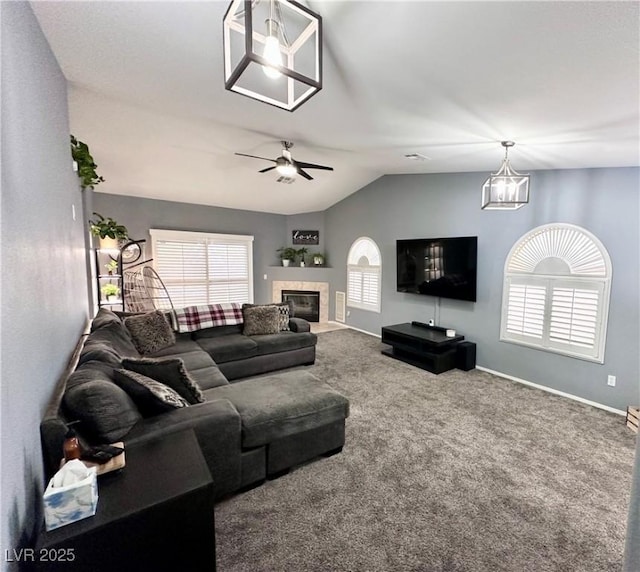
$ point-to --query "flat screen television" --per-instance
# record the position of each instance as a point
(443, 267)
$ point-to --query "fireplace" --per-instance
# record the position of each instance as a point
(306, 303)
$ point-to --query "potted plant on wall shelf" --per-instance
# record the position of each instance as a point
(301, 252)
(84, 164)
(318, 259)
(287, 255)
(110, 292)
(108, 231)
(112, 267)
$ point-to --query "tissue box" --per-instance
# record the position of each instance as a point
(64, 505)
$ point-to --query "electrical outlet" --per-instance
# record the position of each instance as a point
(348, 313)
(611, 380)
(265, 277)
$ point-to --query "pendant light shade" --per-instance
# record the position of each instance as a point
(506, 189)
(273, 51)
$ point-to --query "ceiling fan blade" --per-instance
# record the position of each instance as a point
(267, 169)
(305, 175)
(256, 157)
(313, 166)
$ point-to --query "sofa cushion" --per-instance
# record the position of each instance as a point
(286, 310)
(171, 372)
(104, 317)
(106, 413)
(275, 406)
(283, 341)
(116, 336)
(260, 320)
(150, 396)
(99, 352)
(201, 367)
(229, 348)
(150, 332)
(217, 332)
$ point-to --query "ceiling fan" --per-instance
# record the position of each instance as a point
(286, 166)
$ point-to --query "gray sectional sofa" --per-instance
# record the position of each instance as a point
(249, 428)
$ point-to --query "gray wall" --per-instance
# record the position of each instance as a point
(139, 215)
(44, 289)
(604, 201)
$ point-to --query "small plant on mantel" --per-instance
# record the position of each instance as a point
(86, 165)
(301, 252)
(318, 258)
(287, 254)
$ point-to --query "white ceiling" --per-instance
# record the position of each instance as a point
(448, 80)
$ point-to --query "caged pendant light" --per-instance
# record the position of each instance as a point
(506, 189)
(273, 51)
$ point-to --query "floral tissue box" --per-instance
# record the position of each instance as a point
(67, 504)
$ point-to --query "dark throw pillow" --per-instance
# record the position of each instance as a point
(285, 309)
(151, 396)
(261, 320)
(171, 372)
(150, 332)
(106, 413)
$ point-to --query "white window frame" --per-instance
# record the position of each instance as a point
(203, 238)
(554, 257)
(363, 268)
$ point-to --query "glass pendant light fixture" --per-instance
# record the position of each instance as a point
(506, 189)
(273, 51)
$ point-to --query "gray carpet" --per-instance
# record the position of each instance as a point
(460, 472)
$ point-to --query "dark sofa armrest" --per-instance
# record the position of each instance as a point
(217, 426)
(299, 325)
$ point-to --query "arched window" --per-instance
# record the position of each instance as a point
(363, 275)
(557, 281)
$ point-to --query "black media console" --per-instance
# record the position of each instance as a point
(428, 347)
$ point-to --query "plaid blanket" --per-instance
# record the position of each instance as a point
(194, 318)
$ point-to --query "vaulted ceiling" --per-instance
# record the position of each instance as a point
(448, 80)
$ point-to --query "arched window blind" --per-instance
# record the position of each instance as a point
(202, 268)
(557, 282)
(363, 275)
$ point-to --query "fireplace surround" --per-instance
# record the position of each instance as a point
(299, 285)
(306, 303)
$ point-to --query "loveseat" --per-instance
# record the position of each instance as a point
(249, 428)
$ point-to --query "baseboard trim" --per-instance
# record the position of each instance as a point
(363, 331)
(551, 390)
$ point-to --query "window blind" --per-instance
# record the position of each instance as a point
(202, 268)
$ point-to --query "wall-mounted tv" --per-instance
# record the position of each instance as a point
(444, 267)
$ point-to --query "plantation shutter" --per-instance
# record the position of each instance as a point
(202, 268)
(525, 310)
(574, 317)
(556, 292)
(363, 275)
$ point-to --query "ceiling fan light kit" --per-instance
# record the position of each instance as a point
(286, 166)
(273, 51)
(506, 189)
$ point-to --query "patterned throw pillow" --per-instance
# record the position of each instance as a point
(261, 320)
(285, 309)
(150, 332)
(171, 372)
(150, 396)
